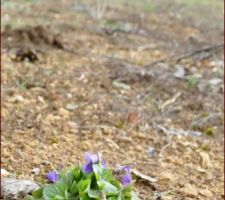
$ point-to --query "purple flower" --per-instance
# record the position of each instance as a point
(127, 177)
(90, 160)
(52, 176)
(125, 168)
(104, 164)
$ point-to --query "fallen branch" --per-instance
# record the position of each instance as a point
(181, 57)
(150, 180)
(198, 51)
(169, 101)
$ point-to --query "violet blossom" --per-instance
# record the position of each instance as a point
(127, 177)
(52, 176)
(90, 160)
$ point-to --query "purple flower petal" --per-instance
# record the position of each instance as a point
(88, 157)
(87, 168)
(126, 179)
(94, 158)
(91, 157)
(104, 164)
(90, 160)
(52, 176)
(125, 168)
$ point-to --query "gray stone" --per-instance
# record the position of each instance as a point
(16, 189)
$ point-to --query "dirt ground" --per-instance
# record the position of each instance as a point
(142, 84)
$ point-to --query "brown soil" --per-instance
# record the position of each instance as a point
(86, 85)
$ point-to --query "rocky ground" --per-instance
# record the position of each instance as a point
(142, 83)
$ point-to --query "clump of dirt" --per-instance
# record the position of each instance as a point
(24, 54)
(28, 37)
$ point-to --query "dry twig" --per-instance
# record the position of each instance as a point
(179, 58)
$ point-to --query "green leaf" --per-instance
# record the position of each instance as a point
(67, 195)
(107, 175)
(84, 186)
(107, 187)
(192, 80)
(94, 194)
(28, 197)
(77, 173)
(97, 168)
(54, 191)
(127, 193)
(67, 178)
(74, 188)
(38, 193)
(85, 197)
(114, 198)
(57, 197)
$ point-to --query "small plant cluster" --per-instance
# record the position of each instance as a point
(92, 181)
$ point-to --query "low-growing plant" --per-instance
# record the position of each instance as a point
(92, 181)
(192, 81)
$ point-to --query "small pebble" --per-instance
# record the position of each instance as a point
(151, 151)
(35, 171)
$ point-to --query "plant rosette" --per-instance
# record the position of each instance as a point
(92, 181)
